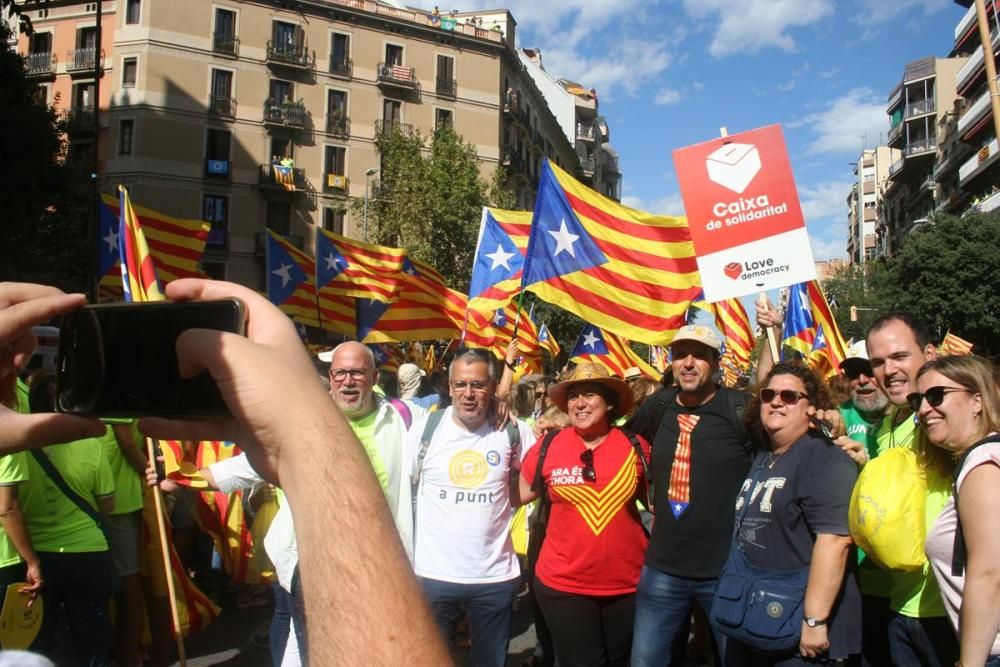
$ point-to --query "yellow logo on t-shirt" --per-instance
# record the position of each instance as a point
(467, 469)
(597, 508)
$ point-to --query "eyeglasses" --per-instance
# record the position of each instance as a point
(340, 374)
(476, 387)
(587, 458)
(934, 396)
(787, 396)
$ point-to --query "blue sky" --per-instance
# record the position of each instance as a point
(671, 73)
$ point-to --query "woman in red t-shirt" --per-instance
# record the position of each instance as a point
(590, 560)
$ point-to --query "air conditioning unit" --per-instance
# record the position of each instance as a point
(336, 181)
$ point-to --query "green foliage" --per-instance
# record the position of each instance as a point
(501, 195)
(859, 286)
(429, 200)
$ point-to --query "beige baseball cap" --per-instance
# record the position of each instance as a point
(698, 333)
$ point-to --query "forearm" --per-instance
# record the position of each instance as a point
(129, 448)
(765, 362)
(12, 521)
(346, 534)
(979, 616)
(826, 574)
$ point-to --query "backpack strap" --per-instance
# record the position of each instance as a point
(540, 517)
(433, 419)
(50, 469)
(404, 411)
(736, 404)
(958, 554)
(644, 498)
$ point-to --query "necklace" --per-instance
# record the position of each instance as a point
(772, 458)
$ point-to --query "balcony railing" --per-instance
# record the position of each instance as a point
(587, 166)
(397, 75)
(225, 43)
(895, 167)
(40, 64)
(917, 147)
(447, 87)
(338, 125)
(342, 66)
(222, 106)
(512, 161)
(275, 177)
(895, 133)
(293, 55)
(79, 118)
(511, 104)
(970, 71)
(974, 113)
(291, 114)
(82, 59)
(387, 127)
(967, 20)
(972, 167)
(923, 106)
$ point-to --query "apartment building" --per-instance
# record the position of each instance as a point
(916, 108)
(871, 172)
(576, 109)
(200, 101)
(975, 168)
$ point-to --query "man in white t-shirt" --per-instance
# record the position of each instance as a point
(462, 472)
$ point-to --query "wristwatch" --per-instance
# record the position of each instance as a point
(814, 622)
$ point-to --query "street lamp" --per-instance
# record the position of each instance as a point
(368, 174)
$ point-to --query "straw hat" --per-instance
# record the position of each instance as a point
(594, 374)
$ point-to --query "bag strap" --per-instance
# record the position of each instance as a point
(433, 419)
(958, 554)
(403, 410)
(50, 469)
(644, 498)
(538, 481)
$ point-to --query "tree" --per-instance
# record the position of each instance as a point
(859, 286)
(948, 275)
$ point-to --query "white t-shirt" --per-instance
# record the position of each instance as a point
(463, 503)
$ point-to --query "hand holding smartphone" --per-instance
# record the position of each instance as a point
(120, 360)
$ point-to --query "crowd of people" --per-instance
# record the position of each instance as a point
(639, 512)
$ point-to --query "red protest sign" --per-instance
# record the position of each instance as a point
(744, 213)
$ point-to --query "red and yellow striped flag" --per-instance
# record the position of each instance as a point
(732, 320)
(952, 344)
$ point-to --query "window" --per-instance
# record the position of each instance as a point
(225, 25)
(83, 96)
(86, 38)
(129, 67)
(222, 101)
(217, 145)
(340, 54)
(392, 112)
(443, 118)
(336, 160)
(446, 76)
(42, 94)
(281, 91)
(278, 217)
(281, 147)
(125, 130)
(286, 37)
(336, 102)
(333, 220)
(393, 54)
(215, 209)
(132, 12)
(40, 42)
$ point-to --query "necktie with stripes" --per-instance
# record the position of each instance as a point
(679, 492)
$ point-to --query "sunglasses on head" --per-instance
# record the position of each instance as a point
(587, 458)
(934, 396)
(787, 396)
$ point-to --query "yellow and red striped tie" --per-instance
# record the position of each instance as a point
(679, 492)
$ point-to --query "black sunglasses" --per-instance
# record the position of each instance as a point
(934, 396)
(587, 458)
(788, 397)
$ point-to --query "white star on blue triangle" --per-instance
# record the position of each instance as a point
(108, 233)
(367, 314)
(677, 507)
(590, 341)
(500, 318)
(284, 275)
(497, 258)
(558, 244)
(330, 263)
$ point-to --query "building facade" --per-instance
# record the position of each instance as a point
(200, 100)
(871, 172)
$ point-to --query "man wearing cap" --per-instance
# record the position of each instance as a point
(701, 455)
(464, 472)
(409, 377)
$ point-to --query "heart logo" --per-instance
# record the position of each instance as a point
(733, 270)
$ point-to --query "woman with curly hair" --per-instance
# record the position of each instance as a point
(792, 516)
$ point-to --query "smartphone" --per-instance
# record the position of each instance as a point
(120, 360)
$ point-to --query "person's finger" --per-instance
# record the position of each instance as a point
(179, 429)
(266, 324)
(19, 432)
(20, 315)
(22, 348)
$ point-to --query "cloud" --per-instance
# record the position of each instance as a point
(886, 10)
(629, 65)
(848, 123)
(668, 97)
(670, 204)
(749, 26)
(827, 201)
(835, 248)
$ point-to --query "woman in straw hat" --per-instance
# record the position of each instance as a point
(591, 473)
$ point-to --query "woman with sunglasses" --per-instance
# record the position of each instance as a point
(593, 547)
(958, 407)
(792, 515)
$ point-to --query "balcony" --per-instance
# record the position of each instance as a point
(921, 107)
(895, 133)
(979, 109)
(79, 119)
(82, 60)
(228, 45)
(920, 147)
(290, 55)
(511, 104)
(390, 126)
(285, 114)
(397, 76)
(512, 161)
(978, 163)
(222, 106)
(40, 64)
(447, 88)
(338, 125)
(967, 21)
(895, 167)
(274, 177)
(991, 203)
(585, 132)
(870, 215)
(970, 73)
(587, 166)
(336, 183)
(343, 67)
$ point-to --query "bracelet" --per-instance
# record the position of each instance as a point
(509, 365)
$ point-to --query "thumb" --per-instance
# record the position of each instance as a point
(20, 432)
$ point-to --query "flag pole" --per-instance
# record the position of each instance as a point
(161, 528)
(517, 320)
(772, 340)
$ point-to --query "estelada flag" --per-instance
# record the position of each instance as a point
(610, 351)
(623, 270)
(499, 260)
(345, 267)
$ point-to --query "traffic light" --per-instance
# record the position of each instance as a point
(854, 313)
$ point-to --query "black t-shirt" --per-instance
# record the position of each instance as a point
(695, 543)
(803, 491)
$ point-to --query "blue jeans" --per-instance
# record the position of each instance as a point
(663, 605)
(280, 624)
(489, 610)
(922, 642)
